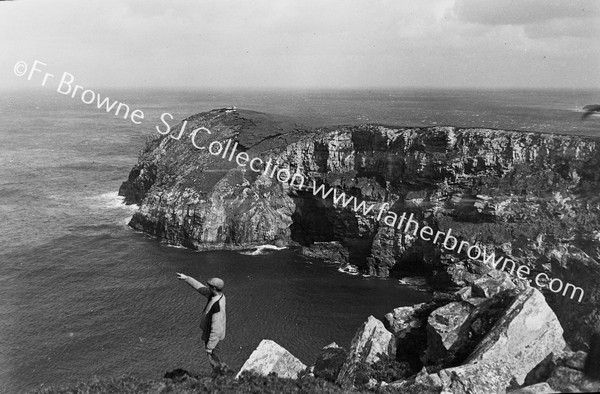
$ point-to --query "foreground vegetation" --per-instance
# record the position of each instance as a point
(181, 382)
(248, 383)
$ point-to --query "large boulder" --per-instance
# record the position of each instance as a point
(563, 372)
(482, 378)
(492, 283)
(485, 378)
(330, 362)
(578, 313)
(371, 341)
(447, 329)
(543, 370)
(570, 380)
(269, 357)
(524, 336)
(538, 388)
(404, 319)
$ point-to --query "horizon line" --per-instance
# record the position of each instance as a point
(308, 88)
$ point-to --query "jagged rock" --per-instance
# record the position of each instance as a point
(478, 302)
(269, 357)
(485, 378)
(370, 342)
(447, 329)
(544, 369)
(492, 283)
(563, 371)
(429, 380)
(372, 383)
(330, 362)
(573, 265)
(568, 380)
(410, 386)
(464, 293)
(538, 388)
(460, 275)
(576, 360)
(465, 379)
(402, 320)
(330, 251)
(527, 332)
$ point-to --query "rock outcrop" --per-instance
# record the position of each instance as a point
(510, 341)
(482, 378)
(523, 337)
(492, 283)
(563, 372)
(513, 345)
(447, 328)
(191, 198)
(530, 197)
(269, 357)
(404, 319)
(371, 342)
(538, 388)
(330, 362)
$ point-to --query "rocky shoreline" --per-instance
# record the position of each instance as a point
(532, 197)
(510, 341)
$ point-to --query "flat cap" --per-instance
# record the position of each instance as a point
(216, 283)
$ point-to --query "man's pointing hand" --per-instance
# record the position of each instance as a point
(181, 276)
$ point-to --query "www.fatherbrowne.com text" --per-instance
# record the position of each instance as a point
(227, 151)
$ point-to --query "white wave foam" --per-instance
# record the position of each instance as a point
(261, 249)
(110, 200)
(175, 246)
(349, 269)
(414, 281)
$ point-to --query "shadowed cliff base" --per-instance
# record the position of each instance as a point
(531, 197)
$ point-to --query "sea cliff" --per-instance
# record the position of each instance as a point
(531, 197)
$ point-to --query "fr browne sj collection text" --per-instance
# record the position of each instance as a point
(67, 86)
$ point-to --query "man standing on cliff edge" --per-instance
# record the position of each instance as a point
(212, 322)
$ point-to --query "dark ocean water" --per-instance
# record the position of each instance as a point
(81, 294)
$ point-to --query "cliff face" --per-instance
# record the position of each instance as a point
(188, 197)
(528, 196)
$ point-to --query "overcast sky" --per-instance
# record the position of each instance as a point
(306, 43)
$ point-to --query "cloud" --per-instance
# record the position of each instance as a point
(564, 27)
(537, 19)
(302, 43)
(522, 12)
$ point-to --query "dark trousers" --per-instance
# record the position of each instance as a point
(215, 358)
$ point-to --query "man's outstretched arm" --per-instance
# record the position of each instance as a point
(199, 287)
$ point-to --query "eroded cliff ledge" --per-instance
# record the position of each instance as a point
(529, 196)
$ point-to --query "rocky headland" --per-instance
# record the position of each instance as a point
(531, 197)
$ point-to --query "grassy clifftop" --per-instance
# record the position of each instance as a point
(248, 383)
